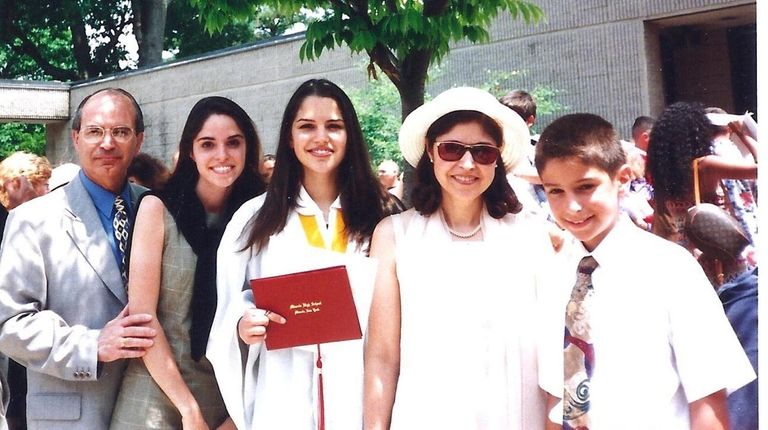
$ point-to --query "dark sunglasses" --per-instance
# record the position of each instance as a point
(482, 153)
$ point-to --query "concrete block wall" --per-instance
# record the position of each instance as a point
(594, 68)
(260, 79)
(602, 55)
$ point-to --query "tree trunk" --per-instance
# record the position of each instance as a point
(412, 86)
(413, 80)
(81, 49)
(149, 29)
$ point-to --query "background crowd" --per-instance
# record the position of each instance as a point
(124, 298)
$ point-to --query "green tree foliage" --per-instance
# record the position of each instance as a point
(378, 109)
(15, 64)
(51, 39)
(16, 136)
(270, 22)
(185, 33)
(401, 37)
(67, 40)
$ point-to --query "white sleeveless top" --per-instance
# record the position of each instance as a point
(467, 350)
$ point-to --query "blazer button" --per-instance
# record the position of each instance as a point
(87, 374)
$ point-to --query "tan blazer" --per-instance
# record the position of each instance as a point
(59, 285)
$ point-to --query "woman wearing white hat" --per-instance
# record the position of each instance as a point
(450, 337)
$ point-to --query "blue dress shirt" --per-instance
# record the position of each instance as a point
(104, 201)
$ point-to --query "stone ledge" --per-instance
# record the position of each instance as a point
(33, 101)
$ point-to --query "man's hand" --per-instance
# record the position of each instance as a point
(126, 336)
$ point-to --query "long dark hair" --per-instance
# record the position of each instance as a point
(183, 203)
(361, 195)
(427, 194)
(185, 175)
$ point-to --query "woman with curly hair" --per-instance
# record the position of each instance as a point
(681, 135)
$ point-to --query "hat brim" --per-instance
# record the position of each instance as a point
(515, 132)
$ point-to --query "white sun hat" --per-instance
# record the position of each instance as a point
(515, 132)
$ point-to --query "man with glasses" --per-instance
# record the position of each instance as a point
(63, 294)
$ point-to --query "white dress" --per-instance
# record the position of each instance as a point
(468, 358)
(278, 389)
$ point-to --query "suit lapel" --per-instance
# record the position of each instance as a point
(90, 239)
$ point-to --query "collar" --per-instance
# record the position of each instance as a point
(102, 198)
(613, 246)
(306, 206)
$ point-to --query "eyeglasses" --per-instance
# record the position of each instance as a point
(95, 134)
(482, 153)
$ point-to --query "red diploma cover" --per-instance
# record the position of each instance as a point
(317, 305)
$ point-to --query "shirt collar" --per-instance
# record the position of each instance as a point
(102, 198)
(306, 206)
(613, 245)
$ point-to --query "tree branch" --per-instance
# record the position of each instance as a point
(113, 28)
(138, 21)
(343, 8)
(7, 17)
(435, 7)
(414, 75)
(81, 49)
(362, 7)
(31, 50)
(387, 62)
(112, 43)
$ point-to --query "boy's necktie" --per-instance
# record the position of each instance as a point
(579, 358)
(120, 226)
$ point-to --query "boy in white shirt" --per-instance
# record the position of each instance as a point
(656, 350)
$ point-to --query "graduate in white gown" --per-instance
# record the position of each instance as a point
(319, 210)
(451, 334)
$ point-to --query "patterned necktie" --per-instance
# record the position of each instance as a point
(579, 358)
(120, 226)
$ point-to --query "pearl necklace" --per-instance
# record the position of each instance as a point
(459, 234)
(466, 235)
